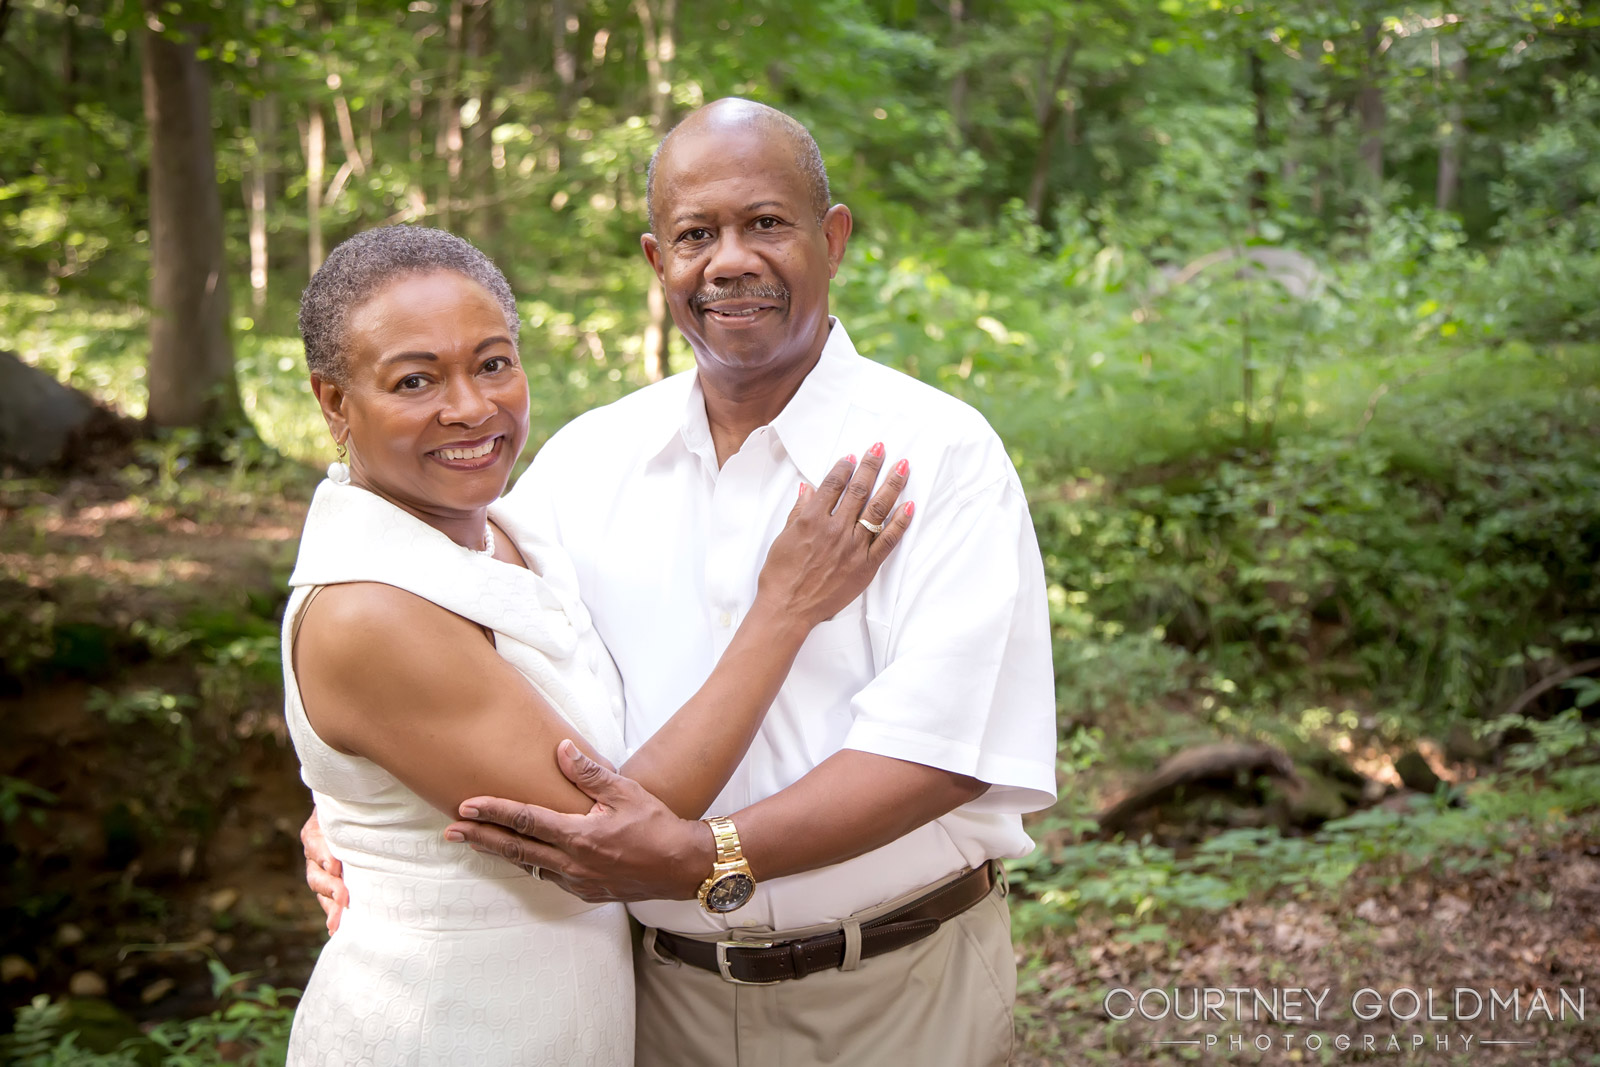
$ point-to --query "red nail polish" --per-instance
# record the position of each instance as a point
(802, 490)
(910, 509)
(851, 459)
(876, 451)
(902, 468)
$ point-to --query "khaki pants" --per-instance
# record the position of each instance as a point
(945, 1000)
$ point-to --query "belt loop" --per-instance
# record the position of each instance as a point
(852, 945)
(651, 952)
(1001, 877)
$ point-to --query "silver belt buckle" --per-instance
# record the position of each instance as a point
(722, 959)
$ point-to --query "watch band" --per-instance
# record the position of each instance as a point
(726, 839)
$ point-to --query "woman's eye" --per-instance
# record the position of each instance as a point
(411, 381)
(496, 364)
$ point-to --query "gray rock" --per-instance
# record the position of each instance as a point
(38, 415)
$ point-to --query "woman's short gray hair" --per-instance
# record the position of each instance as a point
(359, 267)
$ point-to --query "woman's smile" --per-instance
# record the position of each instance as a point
(471, 455)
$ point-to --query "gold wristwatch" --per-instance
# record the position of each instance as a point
(731, 884)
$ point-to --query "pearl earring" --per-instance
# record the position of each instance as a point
(339, 469)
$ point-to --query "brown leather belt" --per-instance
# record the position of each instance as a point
(750, 962)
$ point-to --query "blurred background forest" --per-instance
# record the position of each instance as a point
(1287, 310)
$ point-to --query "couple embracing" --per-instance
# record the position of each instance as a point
(732, 676)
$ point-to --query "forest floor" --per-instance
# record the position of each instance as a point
(151, 806)
(1529, 926)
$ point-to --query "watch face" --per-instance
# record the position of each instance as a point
(729, 892)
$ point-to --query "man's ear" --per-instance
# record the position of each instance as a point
(331, 398)
(836, 227)
(652, 252)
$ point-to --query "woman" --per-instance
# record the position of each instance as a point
(435, 651)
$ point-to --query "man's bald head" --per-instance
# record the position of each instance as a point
(731, 114)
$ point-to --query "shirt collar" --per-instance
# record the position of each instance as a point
(808, 426)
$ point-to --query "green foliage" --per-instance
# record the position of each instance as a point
(1138, 882)
(19, 797)
(1404, 566)
(41, 1039)
(251, 1026)
(1564, 740)
(142, 706)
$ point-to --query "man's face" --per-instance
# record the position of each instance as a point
(739, 250)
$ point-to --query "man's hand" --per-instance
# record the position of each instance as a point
(629, 846)
(323, 872)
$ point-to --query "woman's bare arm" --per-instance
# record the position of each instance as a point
(418, 690)
(394, 678)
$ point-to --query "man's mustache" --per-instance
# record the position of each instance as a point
(765, 291)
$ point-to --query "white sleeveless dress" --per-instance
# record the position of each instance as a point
(446, 956)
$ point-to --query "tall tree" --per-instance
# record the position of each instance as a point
(658, 18)
(314, 136)
(1451, 134)
(448, 142)
(1371, 109)
(191, 373)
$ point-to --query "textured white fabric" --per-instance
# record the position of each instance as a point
(945, 659)
(445, 956)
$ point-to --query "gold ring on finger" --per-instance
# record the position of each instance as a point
(875, 527)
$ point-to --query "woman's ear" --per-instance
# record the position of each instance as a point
(331, 397)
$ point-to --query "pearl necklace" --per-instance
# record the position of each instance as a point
(488, 541)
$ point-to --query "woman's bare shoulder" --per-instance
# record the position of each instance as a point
(382, 626)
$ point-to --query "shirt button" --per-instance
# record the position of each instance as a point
(725, 620)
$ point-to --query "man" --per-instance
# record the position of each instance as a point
(851, 850)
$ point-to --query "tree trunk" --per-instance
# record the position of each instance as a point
(1324, 177)
(487, 219)
(1372, 112)
(1223, 763)
(959, 83)
(659, 20)
(1263, 135)
(1048, 111)
(69, 62)
(347, 132)
(256, 202)
(448, 140)
(316, 148)
(563, 24)
(415, 112)
(191, 373)
(1450, 137)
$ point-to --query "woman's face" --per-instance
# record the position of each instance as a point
(434, 407)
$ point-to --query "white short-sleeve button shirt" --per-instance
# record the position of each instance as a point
(945, 659)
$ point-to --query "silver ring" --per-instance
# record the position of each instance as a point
(537, 872)
(874, 527)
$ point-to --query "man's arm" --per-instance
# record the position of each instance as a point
(629, 846)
